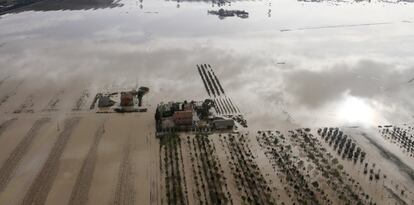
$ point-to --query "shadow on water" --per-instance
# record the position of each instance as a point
(16, 6)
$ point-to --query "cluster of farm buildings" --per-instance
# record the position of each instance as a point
(190, 116)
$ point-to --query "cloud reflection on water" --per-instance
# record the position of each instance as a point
(278, 79)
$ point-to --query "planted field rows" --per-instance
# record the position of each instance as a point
(252, 186)
(171, 165)
(214, 89)
(222, 104)
(324, 166)
(200, 170)
(403, 137)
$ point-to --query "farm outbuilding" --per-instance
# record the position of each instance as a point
(105, 101)
(223, 124)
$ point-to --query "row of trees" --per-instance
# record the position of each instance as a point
(346, 188)
(280, 156)
(250, 182)
(404, 138)
(344, 145)
(210, 184)
(175, 190)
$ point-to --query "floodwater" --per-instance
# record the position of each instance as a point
(284, 63)
(288, 63)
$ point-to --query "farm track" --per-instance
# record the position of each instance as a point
(125, 189)
(11, 163)
(83, 182)
(40, 188)
(6, 124)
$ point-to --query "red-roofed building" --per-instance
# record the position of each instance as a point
(127, 99)
(183, 118)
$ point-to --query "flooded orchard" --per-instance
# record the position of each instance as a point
(206, 102)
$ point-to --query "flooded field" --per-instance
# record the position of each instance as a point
(321, 93)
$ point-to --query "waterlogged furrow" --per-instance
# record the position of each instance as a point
(214, 83)
(6, 124)
(125, 188)
(208, 80)
(204, 80)
(40, 188)
(83, 182)
(217, 81)
(11, 163)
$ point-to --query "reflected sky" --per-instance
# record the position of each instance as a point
(289, 64)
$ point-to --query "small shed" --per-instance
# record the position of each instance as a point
(105, 101)
(223, 124)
